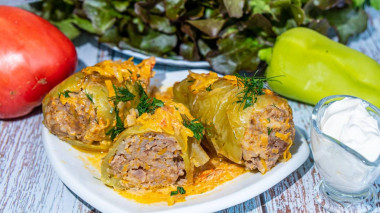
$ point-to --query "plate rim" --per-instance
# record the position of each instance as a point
(159, 60)
(220, 203)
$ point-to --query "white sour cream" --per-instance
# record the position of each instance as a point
(349, 122)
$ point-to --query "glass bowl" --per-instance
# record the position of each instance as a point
(347, 176)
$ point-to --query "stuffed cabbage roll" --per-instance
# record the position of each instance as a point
(88, 108)
(244, 122)
(160, 148)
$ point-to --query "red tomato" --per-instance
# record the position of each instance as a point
(34, 57)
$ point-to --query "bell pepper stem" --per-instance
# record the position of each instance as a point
(265, 54)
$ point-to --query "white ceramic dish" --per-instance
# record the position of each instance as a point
(159, 60)
(83, 179)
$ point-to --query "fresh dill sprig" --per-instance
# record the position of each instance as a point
(180, 190)
(252, 87)
(269, 130)
(116, 130)
(196, 127)
(65, 94)
(148, 105)
(122, 94)
(90, 96)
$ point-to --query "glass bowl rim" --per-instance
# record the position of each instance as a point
(333, 140)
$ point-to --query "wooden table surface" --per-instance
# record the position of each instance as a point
(28, 182)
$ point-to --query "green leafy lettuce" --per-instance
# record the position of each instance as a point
(226, 33)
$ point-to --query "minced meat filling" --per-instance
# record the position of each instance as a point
(75, 121)
(260, 144)
(149, 160)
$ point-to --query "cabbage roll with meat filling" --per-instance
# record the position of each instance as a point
(160, 148)
(88, 108)
(245, 122)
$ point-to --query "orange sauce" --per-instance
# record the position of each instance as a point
(213, 174)
(204, 181)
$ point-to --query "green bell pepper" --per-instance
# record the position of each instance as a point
(310, 67)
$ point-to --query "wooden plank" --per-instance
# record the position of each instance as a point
(28, 182)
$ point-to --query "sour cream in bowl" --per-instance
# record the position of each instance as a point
(345, 139)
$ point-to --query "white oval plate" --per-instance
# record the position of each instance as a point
(159, 60)
(70, 165)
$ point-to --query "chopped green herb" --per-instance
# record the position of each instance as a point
(252, 87)
(268, 120)
(90, 96)
(269, 130)
(196, 127)
(148, 105)
(180, 190)
(65, 93)
(190, 81)
(116, 130)
(122, 94)
(208, 89)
